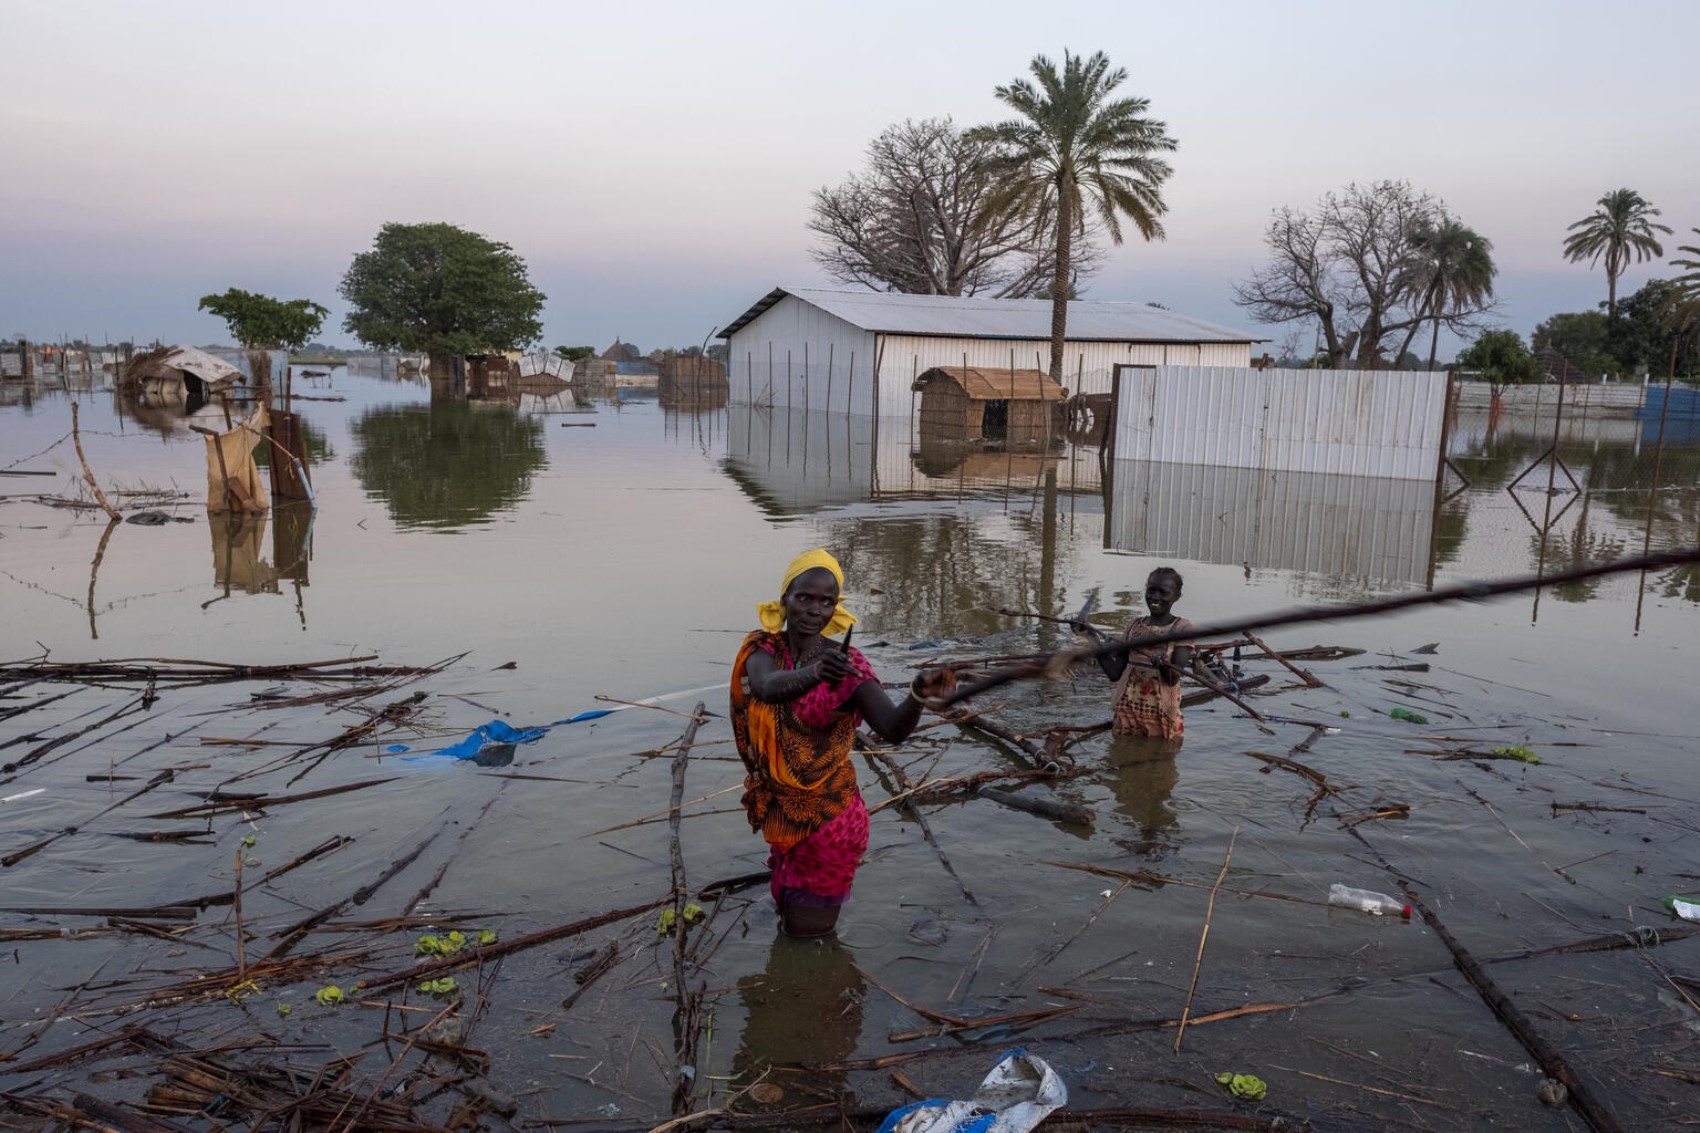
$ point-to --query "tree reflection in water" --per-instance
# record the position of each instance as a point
(446, 464)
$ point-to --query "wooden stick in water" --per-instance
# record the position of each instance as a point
(1304, 675)
(1198, 961)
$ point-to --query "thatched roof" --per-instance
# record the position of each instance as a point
(995, 384)
(176, 361)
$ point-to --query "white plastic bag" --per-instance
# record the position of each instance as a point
(1020, 1092)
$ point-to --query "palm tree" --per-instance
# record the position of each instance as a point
(1683, 316)
(1689, 282)
(1620, 228)
(1073, 148)
(1456, 275)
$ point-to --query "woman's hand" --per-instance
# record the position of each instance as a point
(832, 666)
(933, 685)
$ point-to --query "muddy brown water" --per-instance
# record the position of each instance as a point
(624, 561)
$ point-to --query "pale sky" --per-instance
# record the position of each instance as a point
(653, 161)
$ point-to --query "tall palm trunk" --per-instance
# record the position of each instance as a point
(1059, 282)
(1434, 340)
(1428, 306)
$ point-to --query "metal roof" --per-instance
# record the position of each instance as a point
(949, 316)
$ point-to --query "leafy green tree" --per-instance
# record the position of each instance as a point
(443, 291)
(1072, 148)
(1501, 358)
(1583, 337)
(260, 322)
(447, 464)
(1655, 331)
(1623, 231)
(1453, 274)
(575, 353)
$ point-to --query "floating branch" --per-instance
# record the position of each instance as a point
(1470, 591)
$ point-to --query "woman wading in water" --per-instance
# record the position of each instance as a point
(797, 699)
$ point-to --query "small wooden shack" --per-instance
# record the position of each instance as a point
(691, 382)
(969, 404)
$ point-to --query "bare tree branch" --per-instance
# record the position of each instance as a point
(923, 217)
(1360, 266)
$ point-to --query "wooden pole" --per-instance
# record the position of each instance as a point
(1198, 961)
(77, 440)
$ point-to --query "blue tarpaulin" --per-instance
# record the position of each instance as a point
(497, 732)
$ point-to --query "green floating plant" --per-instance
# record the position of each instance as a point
(1521, 753)
(452, 943)
(1248, 1087)
(444, 985)
(330, 995)
(664, 923)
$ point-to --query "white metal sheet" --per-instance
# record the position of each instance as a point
(1381, 423)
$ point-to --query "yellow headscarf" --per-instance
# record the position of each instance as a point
(772, 614)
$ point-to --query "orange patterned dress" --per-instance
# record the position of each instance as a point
(799, 786)
(1142, 704)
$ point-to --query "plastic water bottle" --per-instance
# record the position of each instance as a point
(1367, 900)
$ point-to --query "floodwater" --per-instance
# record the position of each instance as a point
(561, 563)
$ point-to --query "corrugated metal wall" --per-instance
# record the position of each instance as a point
(1087, 366)
(1383, 423)
(1359, 528)
(796, 356)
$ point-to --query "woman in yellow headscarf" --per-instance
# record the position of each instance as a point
(797, 700)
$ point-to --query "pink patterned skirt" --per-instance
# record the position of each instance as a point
(817, 872)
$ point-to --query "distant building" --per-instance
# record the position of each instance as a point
(862, 351)
(621, 352)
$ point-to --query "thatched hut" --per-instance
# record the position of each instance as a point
(176, 375)
(968, 404)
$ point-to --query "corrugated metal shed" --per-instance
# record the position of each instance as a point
(955, 316)
(1384, 423)
(817, 349)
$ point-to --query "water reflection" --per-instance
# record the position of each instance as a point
(1636, 495)
(806, 1007)
(238, 541)
(796, 462)
(1143, 776)
(1355, 533)
(446, 464)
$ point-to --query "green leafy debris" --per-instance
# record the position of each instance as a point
(1521, 753)
(694, 914)
(330, 995)
(453, 943)
(444, 985)
(248, 840)
(283, 1009)
(1248, 1087)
